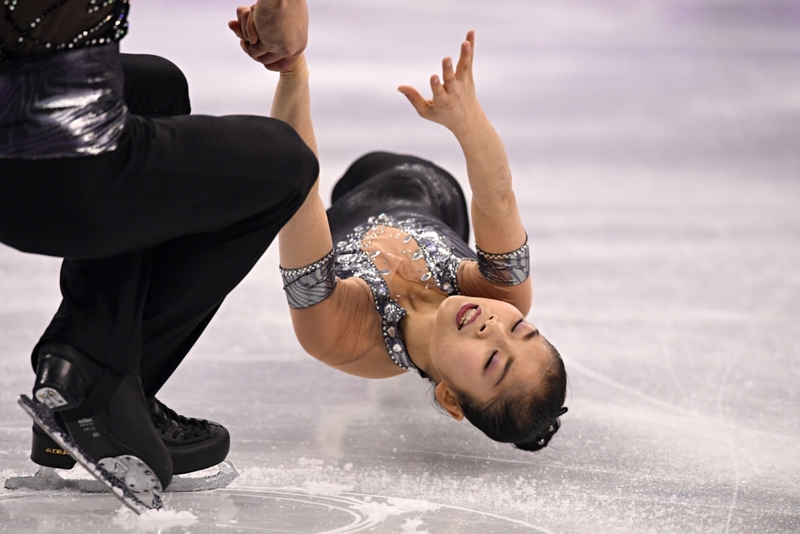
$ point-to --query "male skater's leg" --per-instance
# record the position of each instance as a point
(153, 86)
(190, 277)
(191, 176)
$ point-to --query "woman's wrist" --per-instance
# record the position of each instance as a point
(298, 71)
(473, 129)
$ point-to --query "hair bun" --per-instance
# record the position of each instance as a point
(534, 445)
(541, 442)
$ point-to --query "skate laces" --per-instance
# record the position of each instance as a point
(166, 420)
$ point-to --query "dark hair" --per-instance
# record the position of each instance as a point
(529, 420)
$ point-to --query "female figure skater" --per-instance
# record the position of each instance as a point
(157, 214)
(385, 281)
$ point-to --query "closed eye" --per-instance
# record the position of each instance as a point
(489, 361)
(506, 369)
(517, 324)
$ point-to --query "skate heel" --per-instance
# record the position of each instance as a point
(59, 384)
(47, 453)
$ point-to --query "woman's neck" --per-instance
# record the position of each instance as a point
(417, 327)
(398, 258)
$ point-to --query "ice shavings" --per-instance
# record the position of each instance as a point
(379, 511)
(411, 525)
(150, 520)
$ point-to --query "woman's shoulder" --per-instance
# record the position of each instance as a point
(344, 331)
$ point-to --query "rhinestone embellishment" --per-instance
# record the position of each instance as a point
(432, 246)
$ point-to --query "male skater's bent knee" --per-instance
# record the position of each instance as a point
(295, 161)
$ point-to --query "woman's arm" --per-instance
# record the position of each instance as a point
(495, 217)
(306, 237)
(339, 330)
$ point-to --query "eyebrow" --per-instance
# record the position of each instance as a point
(531, 335)
(509, 362)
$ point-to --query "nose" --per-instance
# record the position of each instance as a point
(488, 326)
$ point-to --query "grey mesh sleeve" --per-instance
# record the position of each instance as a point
(309, 285)
(509, 269)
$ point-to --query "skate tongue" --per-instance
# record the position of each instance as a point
(43, 416)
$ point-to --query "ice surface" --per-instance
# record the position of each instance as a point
(655, 153)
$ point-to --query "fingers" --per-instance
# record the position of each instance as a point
(257, 52)
(244, 25)
(464, 68)
(236, 28)
(242, 16)
(420, 104)
(244, 44)
(471, 41)
(274, 55)
(436, 87)
(277, 62)
(464, 61)
(250, 27)
(453, 103)
(447, 71)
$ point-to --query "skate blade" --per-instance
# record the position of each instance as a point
(47, 478)
(126, 466)
(227, 474)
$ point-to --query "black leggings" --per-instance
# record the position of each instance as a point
(383, 182)
(156, 233)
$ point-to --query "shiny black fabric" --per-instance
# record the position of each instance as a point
(383, 182)
(65, 104)
(157, 232)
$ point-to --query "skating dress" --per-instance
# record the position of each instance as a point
(357, 323)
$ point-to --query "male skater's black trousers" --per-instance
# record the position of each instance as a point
(155, 234)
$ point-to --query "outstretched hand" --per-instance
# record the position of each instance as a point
(454, 104)
(273, 35)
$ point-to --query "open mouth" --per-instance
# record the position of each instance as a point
(467, 314)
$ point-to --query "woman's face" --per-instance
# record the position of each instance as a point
(484, 346)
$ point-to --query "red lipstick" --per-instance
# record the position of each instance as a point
(463, 311)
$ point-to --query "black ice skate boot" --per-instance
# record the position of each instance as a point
(106, 414)
(193, 444)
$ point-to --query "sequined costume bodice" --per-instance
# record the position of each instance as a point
(429, 241)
